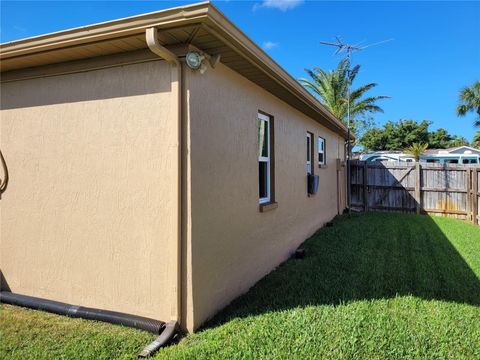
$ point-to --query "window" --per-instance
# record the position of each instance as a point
(265, 158)
(321, 151)
(309, 153)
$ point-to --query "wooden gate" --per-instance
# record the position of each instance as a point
(449, 190)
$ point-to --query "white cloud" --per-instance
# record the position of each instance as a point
(282, 5)
(268, 45)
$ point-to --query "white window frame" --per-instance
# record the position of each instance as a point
(265, 159)
(321, 150)
(309, 153)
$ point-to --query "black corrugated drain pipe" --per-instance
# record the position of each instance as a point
(166, 331)
(165, 337)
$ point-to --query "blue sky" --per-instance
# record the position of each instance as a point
(435, 51)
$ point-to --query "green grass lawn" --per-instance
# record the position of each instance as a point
(373, 286)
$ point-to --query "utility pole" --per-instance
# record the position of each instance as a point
(348, 49)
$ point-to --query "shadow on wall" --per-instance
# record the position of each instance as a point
(366, 256)
(121, 81)
(3, 283)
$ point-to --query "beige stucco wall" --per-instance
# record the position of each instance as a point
(233, 245)
(92, 203)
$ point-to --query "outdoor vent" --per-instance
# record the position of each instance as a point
(313, 184)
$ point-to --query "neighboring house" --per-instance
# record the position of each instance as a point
(381, 156)
(140, 185)
(455, 155)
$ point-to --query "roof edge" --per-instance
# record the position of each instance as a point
(199, 13)
(105, 30)
(272, 68)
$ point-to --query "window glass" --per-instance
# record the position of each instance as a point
(309, 147)
(309, 153)
(262, 138)
(262, 181)
(321, 150)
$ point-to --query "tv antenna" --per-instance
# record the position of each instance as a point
(348, 50)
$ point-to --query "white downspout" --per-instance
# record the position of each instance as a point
(176, 110)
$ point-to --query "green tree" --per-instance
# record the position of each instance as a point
(403, 134)
(469, 101)
(396, 135)
(476, 140)
(441, 139)
(331, 88)
(458, 141)
(416, 150)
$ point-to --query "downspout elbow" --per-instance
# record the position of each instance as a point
(154, 45)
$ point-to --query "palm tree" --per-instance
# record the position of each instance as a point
(469, 99)
(476, 140)
(331, 87)
(417, 149)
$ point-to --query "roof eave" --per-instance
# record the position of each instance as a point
(106, 30)
(219, 20)
(200, 13)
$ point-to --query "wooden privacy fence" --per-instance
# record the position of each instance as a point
(449, 190)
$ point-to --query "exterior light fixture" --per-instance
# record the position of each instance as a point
(194, 60)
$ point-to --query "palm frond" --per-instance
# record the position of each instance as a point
(331, 88)
(417, 149)
(469, 100)
(462, 110)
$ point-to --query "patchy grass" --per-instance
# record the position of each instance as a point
(376, 286)
(30, 334)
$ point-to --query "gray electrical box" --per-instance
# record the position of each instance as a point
(313, 184)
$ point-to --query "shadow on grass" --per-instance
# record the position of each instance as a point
(365, 256)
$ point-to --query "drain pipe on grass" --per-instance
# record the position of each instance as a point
(82, 312)
(171, 328)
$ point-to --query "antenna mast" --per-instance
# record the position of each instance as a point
(348, 49)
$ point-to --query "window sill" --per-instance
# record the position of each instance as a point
(322, 166)
(268, 206)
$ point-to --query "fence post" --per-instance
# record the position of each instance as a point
(469, 185)
(365, 186)
(475, 212)
(418, 184)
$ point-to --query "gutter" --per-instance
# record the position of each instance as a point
(243, 46)
(202, 14)
(134, 25)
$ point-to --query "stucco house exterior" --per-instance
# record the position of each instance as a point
(140, 185)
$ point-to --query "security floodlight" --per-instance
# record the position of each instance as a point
(194, 60)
